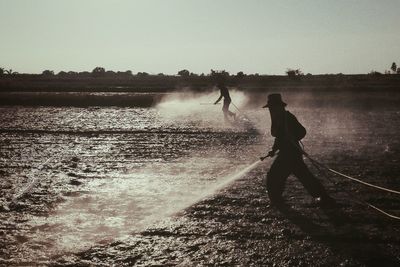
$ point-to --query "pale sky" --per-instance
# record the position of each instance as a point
(253, 36)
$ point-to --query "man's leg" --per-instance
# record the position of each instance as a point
(230, 112)
(309, 181)
(225, 111)
(276, 178)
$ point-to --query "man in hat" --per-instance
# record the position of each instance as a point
(288, 132)
(227, 101)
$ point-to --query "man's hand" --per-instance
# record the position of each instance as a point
(270, 154)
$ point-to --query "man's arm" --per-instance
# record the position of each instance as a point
(219, 99)
(273, 151)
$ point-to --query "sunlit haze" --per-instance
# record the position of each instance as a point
(155, 36)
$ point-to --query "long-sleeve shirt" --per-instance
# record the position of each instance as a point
(287, 131)
(224, 93)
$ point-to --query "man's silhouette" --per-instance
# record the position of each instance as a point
(288, 132)
(227, 101)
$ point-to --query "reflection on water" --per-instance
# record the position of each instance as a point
(111, 207)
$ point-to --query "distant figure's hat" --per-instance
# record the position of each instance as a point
(274, 100)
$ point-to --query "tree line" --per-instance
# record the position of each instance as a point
(102, 72)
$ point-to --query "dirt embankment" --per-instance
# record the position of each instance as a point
(168, 83)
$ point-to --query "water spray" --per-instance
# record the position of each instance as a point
(227, 180)
(244, 115)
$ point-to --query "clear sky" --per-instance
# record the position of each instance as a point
(254, 36)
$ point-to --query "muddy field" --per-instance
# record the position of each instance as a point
(151, 186)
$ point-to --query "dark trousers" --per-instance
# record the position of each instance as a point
(285, 165)
(225, 109)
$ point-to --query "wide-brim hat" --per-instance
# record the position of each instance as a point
(275, 100)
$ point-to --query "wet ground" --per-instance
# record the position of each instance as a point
(142, 186)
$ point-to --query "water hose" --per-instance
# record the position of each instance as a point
(349, 177)
(244, 115)
(319, 165)
(316, 163)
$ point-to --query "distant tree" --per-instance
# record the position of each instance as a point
(219, 73)
(387, 71)
(160, 74)
(48, 73)
(308, 74)
(82, 73)
(98, 71)
(183, 73)
(10, 72)
(240, 74)
(398, 71)
(62, 73)
(290, 72)
(110, 73)
(123, 74)
(1, 71)
(224, 73)
(142, 74)
(393, 67)
(293, 73)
